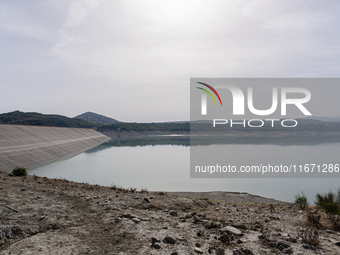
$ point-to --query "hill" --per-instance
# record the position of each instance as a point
(96, 118)
(39, 119)
(335, 118)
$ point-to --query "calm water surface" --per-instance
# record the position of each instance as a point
(163, 165)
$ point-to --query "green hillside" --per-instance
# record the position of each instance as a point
(39, 119)
(96, 118)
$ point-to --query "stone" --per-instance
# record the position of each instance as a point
(287, 250)
(198, 250)
(284, 244)
(154, 240)
(179, 252)
(197, 219)
(169, 240)
(157, 245)
(209, 224)
(242, 251)
(136, 220)
(220, 251)
(173, 213)
(146, 200)
(307, 246)
(231, 230)
(118, 219)
(337, 243)
(240, 226)
(271, 238)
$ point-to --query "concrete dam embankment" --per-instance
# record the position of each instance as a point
(28, 146)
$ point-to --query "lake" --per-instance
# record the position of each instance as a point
(162, 164)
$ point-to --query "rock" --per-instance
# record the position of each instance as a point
(178, 253)
(271, 238)
(240, 226)
(118, 219)
(293, 239)
(189, 215)
(220, 251)
(197, 219)
(136, 220)
(169, 240)
(307, 246)
(264, 251)
(198, 250)
(208, 224)
(242, 251)
(173, 213)
(287, 250)
(128, 216)
(231, 230)
(157, 245)
(154, 240)
(284, 244)
(146, 200)
(337, 243)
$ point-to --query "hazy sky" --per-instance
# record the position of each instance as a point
(133, 60)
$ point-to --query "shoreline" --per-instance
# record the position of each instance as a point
(40, 216)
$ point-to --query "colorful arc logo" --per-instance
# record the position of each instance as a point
(213, 90)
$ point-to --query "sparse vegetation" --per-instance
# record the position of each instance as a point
(301, 201)
(329, 202)
(132, 190)
(309, 236)
(313, 218)
(144, 190)
(19, 171)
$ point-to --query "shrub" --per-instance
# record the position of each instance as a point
(334, 221)
(301, 201)
(133, 190)
(313, 218)
(329, 202)
(309, 236)
(144, 190)
(19, 171)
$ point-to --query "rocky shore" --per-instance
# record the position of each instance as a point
(55, 216)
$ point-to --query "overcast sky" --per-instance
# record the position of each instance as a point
(133, 60)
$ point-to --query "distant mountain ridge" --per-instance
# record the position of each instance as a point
(39, 119)
(335, 118)
(96, 118)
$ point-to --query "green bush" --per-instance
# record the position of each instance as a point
(301, 201)
(19, 171)
(329, 202)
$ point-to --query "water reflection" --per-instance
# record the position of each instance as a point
(163, 162)
(210, 140)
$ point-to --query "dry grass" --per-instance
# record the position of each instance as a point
(309, 236)
(313, 219)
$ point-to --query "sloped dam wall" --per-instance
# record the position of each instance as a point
(27, 146)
